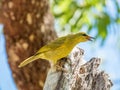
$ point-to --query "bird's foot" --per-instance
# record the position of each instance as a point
(59, 68)
(60, 65)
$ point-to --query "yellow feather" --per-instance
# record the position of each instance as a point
(58, 49)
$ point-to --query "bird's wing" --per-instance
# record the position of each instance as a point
(53, 45)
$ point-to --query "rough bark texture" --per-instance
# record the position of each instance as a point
(80, 75)
(28, 25)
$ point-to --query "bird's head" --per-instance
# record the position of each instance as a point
(84, 37)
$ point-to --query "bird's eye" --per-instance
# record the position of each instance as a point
(84, 35)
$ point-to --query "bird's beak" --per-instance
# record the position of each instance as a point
(90, 38)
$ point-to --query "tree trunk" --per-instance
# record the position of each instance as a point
(28, 25)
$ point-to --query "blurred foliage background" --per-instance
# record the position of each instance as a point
(74, 15)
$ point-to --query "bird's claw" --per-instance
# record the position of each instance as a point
(59, 68)
(60, 64)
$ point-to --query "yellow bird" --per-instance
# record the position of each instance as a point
(58, 49)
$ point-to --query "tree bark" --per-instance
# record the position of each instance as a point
(28, 25)
(79, 75)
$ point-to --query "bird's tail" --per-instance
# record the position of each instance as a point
(28, 60)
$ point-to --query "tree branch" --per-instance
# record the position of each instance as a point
(80, 75)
